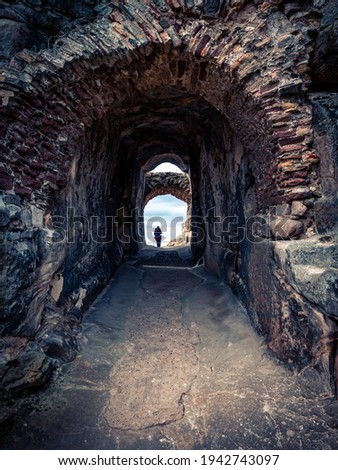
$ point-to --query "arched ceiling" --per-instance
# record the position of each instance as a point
(164, 158)
(157, 73)
(164, 121)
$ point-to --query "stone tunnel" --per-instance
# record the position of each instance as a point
(240, 95)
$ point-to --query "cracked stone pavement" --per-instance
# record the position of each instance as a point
(169, 360)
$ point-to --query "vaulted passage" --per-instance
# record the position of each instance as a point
(225, 96)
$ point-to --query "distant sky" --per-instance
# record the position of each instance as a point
(168, 212)
(167, 167)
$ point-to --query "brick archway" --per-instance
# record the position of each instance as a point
(67, 89)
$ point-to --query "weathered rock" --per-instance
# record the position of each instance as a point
(326, 214)
(325, 117)
(30, 370)
(60, 346)
(298, 209)
(312, 270)
(325, 57)
(319, 285)
(299, 330)
(285, 228)
(281, 210)
(4, 217)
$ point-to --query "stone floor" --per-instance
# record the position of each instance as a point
(168, 360)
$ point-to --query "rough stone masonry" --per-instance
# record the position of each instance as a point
(242, 95)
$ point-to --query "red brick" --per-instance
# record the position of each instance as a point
(52, 186)
(293, 182)
(62, 182)
(268, 90)
(47, 146)
(298, 196)
(38, 166)
(313, 158)
(30, 182)
(6, 180)
(295, 174)
(291, 140)
(204, 41)
(23, 191)
(48, 157)
(30, 141)
(23, 150)
(28, 171)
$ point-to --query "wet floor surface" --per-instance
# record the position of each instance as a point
(168, 360)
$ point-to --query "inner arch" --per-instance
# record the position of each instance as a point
(168, 212)
(157, 160)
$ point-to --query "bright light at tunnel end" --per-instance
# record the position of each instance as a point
(166, 167)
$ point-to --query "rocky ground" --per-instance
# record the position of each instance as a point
(168, 360)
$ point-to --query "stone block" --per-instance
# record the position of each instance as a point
(12, 199)
(311, 267)
(286, 229)
(103, 10)
(23, 191)
(202, 44)
(290, 89)
(6, 179)
(4, 217)
(281, 210)
(29, 371)
(261, 227)
(298, 209)
(326, 214)
(293, 182)
(37, 216)
(298, 194)
(14, 210)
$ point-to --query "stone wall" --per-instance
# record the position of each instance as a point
(221, 87)
(324, 64)
(35, 24)
(325, 115)
(288, 287)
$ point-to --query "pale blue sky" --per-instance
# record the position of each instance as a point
(166, 211)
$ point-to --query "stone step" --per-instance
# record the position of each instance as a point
(168, 258)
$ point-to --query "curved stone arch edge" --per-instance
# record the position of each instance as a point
(171, 45)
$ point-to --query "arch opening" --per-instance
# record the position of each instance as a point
(170, 214)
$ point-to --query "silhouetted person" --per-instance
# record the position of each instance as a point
(158, 235)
